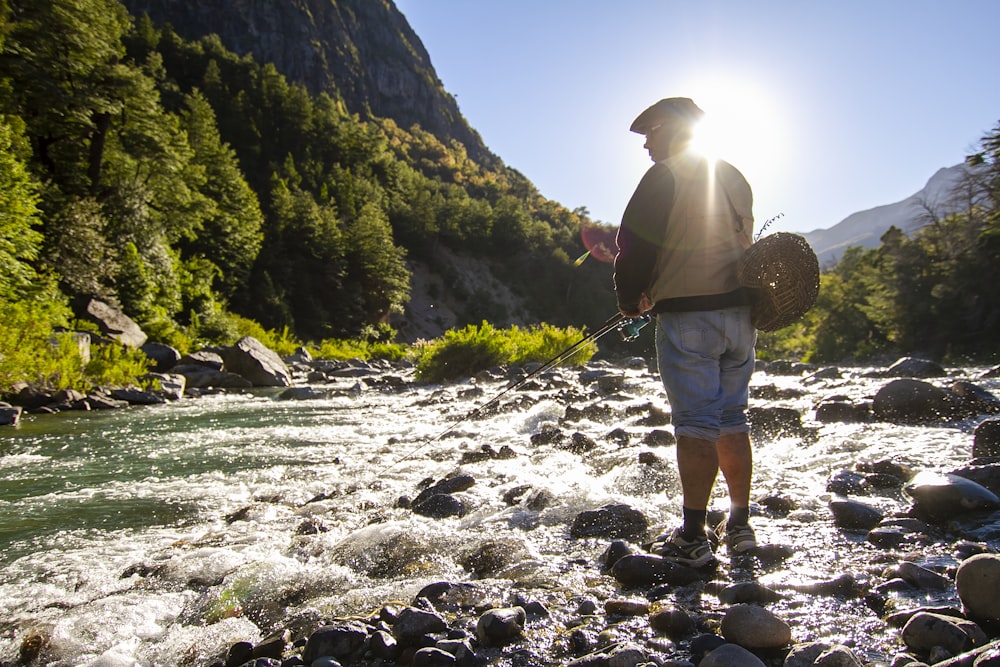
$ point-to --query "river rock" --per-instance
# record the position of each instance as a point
(163, 356)
(674, 622)
(730, 655)
(978, 583)
(986, 439)
(501, 626)
(134, 396)
(775, 421)
(924, 631)
(648, 570)
(111, 322)
(748, 591)
(909, 401)
(172, 385)
(9, 414)
(751, 626)
(977, 400)
(922, 577)
(843, 411)
(611, 521)
(208, 357)
(821, 654)
(913, 367)
(412, 623)
(257, 363)
(939, 497)
(201, 377)
(853, 514)
(431, 656)
(340, 640)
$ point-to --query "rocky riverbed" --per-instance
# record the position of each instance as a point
(360, 518)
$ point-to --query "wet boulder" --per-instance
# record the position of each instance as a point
(411, 624)
(977, 582)
(939, 497)
(909, 401)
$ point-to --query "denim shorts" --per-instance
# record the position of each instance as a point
(706, 359)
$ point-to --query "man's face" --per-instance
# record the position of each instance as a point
(661, 138)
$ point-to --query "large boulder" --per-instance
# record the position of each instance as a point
(914, 367)
(258, 364)
(111, 322)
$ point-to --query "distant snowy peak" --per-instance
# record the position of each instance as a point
(865, 228)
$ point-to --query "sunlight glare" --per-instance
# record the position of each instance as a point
(742, 125)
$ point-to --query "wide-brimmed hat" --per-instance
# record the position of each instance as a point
(672, 107)
(783, 271)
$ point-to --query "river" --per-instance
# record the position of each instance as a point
(160, 535)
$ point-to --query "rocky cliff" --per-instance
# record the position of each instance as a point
(362, 51)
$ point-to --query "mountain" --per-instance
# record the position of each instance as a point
(361, 51)
(937, 199)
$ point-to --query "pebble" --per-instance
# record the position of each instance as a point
(755, 627)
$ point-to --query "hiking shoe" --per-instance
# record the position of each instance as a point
(693, 553)
(738, 539)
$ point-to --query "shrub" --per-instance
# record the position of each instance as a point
(464, 352)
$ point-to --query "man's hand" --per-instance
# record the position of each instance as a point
(644, 305)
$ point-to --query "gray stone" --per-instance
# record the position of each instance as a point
(413, 623)
(9, 415)
(912, 367)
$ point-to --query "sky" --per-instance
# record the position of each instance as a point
(827, 107)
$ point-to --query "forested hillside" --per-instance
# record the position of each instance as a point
(196, 187)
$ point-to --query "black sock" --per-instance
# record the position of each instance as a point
(738, 516)
(694, 523)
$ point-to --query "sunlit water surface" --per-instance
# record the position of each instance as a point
(153, 535)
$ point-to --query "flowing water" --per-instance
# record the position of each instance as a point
(160, 535)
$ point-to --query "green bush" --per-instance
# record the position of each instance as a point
(464, 352)
(334, 348)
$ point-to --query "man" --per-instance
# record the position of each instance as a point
(680, 239)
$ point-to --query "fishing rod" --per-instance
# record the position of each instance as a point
(627, 327)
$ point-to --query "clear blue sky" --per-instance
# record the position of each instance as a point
(829, 107)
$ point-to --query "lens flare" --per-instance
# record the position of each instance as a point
(599, 240)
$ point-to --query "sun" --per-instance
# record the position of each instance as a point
(743, 125)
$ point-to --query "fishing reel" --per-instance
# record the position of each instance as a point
(629, 327)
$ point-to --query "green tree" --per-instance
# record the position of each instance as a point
(230, 235)
(20, 241)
